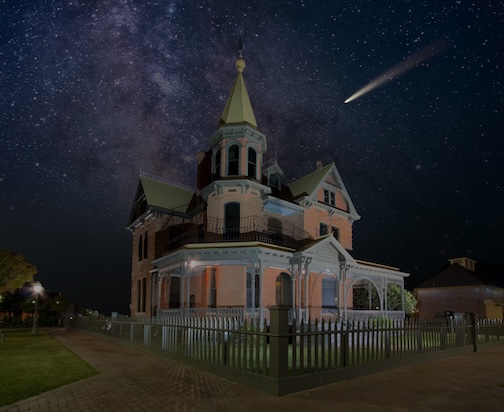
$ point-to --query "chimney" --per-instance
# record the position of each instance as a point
(318, 165)
(465, 262)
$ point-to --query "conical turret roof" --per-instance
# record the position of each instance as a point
(238, 108)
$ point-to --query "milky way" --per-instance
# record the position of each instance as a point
(92, 92)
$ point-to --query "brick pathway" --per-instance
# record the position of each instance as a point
(132, 379)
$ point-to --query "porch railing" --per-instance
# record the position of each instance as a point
(248, 229)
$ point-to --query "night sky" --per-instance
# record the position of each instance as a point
(93, 91)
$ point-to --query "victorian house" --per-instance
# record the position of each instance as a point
(246, 239)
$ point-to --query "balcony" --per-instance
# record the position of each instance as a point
(249, 229)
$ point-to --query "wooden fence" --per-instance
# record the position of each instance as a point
(285, 357)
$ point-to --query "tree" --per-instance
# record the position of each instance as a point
(394, 299)
(15, 271)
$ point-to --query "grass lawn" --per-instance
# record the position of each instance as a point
(30, 365)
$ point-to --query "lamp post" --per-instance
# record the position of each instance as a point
(37, 289)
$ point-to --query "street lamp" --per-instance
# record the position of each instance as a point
(37, 289)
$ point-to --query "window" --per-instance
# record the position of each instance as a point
(329, 197)
(252, 163)
(144, 294)
(174, 292)
(326, 196)
(274, 180)
(283, 289)
(140, 248)
(212, 300)
(217, 163)
(329, 297)
(323, 229)
(146, 245)
(335, 232)
(256, 290)
(232, 221)
(233, 160)
(139, 295)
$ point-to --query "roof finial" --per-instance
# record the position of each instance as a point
(240, 47)
(240, 63)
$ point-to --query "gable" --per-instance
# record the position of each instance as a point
(157, 195)
(308, 184)
(328, 250)
(164, 196)
(453, 275)
(326, 178)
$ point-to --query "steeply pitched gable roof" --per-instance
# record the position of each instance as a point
(309, 183)
(455, 274)
(165, 196)
(155, 194)
(452, 275)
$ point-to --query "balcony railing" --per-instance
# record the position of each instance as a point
(249, 229)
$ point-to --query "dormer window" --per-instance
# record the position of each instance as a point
(233, 160)
(217, 163)
(274, 181)
(252, 163)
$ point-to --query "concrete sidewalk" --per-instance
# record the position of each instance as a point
(132, 379)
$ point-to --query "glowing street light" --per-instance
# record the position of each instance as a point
(37, 289)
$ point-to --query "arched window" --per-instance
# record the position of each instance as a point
(283, 289)
(252, 163)
(274, 181)
(329, 293)
(233, 160)
(217, 163)
(232, 221)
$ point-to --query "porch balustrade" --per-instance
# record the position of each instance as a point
(248, 229)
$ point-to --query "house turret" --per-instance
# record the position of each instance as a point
(238, 146)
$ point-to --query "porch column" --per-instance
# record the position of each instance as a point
(343, 275)
(252, 280)
(304, 275)
(261, 292)
(182, 289)
(188, 300)
(402, 296)
(159, 283)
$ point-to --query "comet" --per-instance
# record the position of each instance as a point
(410, 62)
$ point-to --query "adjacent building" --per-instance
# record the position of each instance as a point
(463, 286)
(245, 238)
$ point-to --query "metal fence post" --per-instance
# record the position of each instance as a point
(344, 346)
(279, 341)
(473, 320)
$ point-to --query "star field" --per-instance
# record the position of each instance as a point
(92, 92)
